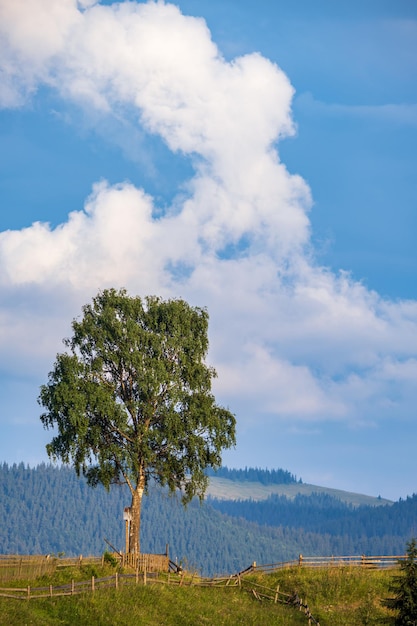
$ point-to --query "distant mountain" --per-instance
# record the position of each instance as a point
(49, 510)
(227, 489)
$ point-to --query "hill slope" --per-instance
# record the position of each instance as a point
(48, 510)
(226, 489)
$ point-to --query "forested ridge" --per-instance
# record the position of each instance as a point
(325, 514)
(48, 510)
(255, 474)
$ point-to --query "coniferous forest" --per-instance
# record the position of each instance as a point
(48, 510)
(255, 474)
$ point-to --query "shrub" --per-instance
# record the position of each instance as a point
(110, 559)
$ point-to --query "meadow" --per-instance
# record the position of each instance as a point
(336, 596)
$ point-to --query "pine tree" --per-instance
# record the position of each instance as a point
(404, 587)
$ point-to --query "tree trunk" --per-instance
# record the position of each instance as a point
(135, 511)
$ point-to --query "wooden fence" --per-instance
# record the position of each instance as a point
(259, 592)
(369, 562)
(146, 562)
(72, 588)
(155, 569)
(15, 567)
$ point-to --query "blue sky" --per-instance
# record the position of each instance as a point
(256, 158)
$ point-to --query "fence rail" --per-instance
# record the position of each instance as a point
(369, 562)
(15, 567)
(259, 592)
(144, 576)
(146, 562)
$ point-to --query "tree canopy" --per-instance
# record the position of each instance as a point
(131, 398)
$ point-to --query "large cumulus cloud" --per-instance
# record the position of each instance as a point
(290, 339)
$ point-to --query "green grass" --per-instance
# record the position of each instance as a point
(336, 596)
(61, 576)
(339, 596)
(153, 605)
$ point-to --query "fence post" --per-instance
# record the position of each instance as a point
(300, 560)
(50, 590)
(276, 594)
(144, 575)
(92, 583)
(72, 587)
(116, 580)
(28, 592)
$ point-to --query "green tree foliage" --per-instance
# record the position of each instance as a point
(132, 400)
(404, 587)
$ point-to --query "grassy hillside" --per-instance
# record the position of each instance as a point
(225, 489)
(149, 606)
(336, 597)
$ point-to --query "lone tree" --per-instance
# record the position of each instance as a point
(404, 587)
(131, 399)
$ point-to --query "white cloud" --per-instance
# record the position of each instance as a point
(32, 33)
(109, 242)
(290, 339)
